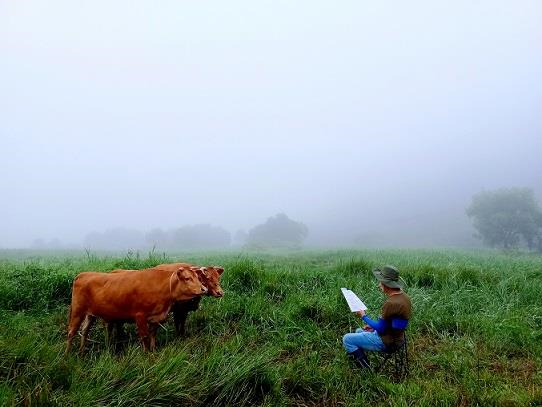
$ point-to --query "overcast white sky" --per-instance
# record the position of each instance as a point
(345, 115)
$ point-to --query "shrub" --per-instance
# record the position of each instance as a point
(243, 276)
(355, 267)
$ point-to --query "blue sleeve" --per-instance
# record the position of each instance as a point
(378, 326)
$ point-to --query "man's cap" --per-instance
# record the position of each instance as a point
(389, 276)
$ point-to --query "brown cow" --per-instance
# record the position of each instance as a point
(210, 277)
(144, 297)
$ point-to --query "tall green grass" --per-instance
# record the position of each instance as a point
(275, 337)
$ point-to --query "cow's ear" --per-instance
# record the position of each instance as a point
(201, 272)
(219, 270)
(179, 272)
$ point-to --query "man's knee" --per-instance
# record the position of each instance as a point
(345, 339)
(347, 343)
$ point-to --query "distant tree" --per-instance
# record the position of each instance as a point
(240, 237)
(115, 239)
(277, 231)
(200, 237)
(186, 237)
(93, 240)
(537, 241)
(157, 238)
(507, 217)
(38, 243)
(51, 244)
(55, 243)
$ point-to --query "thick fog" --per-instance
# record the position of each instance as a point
(371, 122)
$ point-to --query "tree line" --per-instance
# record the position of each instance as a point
(507, 218)
(277, 231)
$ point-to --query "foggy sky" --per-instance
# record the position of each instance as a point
(352, 116)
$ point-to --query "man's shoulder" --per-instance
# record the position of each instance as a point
(398, 303)
(404, 296)
(399, 297)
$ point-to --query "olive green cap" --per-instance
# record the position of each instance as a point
(389, 276)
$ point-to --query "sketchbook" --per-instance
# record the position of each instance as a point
(353, 301)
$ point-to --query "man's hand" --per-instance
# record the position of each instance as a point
(360, 313)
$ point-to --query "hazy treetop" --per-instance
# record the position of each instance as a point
(143, 114)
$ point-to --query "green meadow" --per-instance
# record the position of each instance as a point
(275, 337)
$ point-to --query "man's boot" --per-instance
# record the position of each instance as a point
(360, 358)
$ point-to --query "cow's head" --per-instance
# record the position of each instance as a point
(190, 285)
(210, 277)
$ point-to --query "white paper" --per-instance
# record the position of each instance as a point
(353, 301)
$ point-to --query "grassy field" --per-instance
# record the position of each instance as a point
(275, 337)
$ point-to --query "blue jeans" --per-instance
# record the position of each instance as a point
(364, 340)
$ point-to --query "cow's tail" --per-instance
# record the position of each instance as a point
(71, 302)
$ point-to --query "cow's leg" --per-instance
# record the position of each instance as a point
(89, 321)
(153, 328)
(179, 318)
(113, 332)
(109, 336)
(76, 318)
(143, 330)
(121, 333)
(180, 313)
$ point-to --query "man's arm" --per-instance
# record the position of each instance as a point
(379, 326)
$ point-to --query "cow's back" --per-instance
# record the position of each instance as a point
(122, 295)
